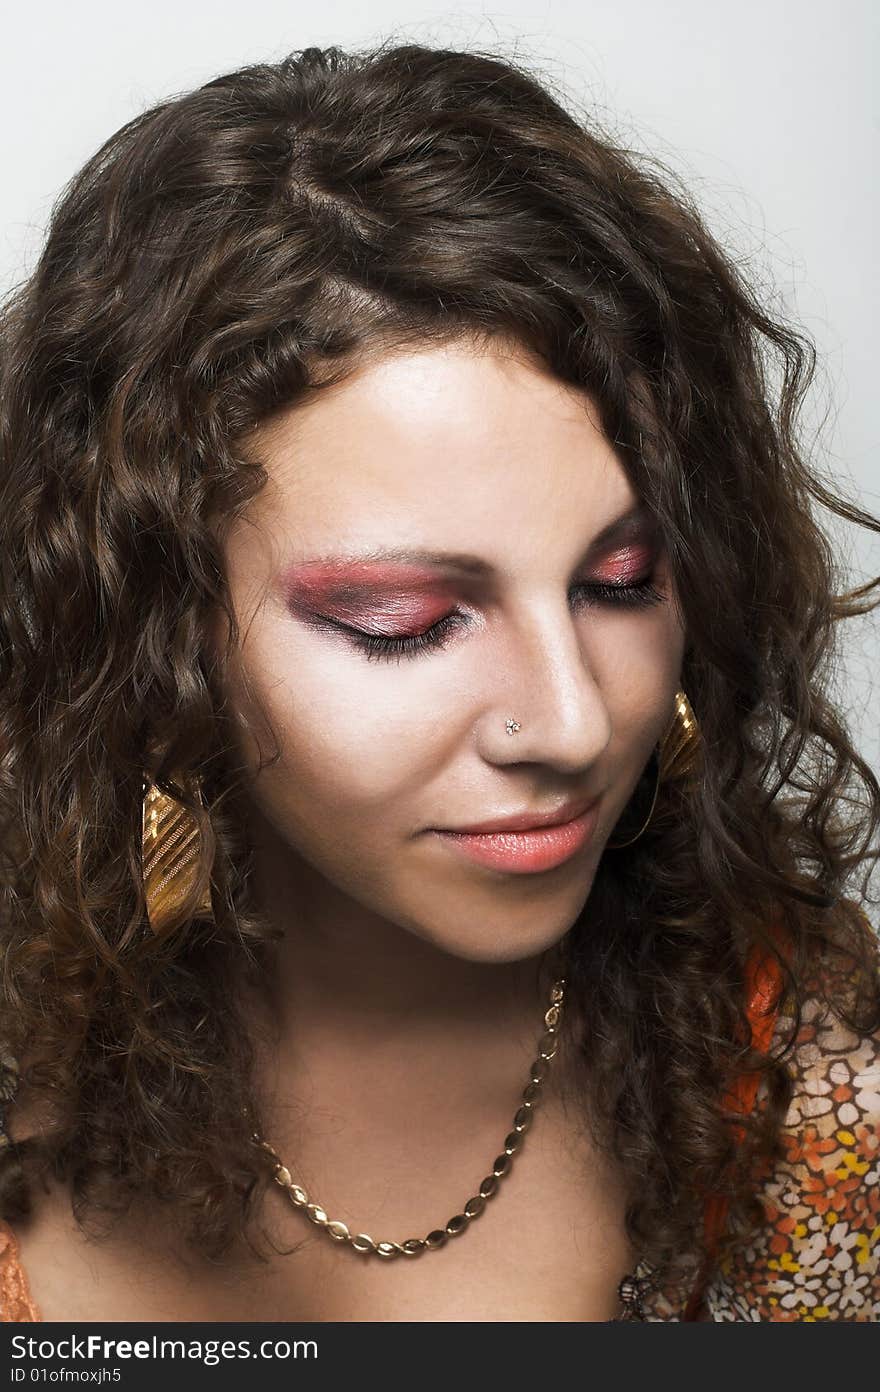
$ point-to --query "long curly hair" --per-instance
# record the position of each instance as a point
(228, 253)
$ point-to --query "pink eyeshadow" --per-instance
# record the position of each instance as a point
(623, 566)
(377, 594)
(402, 596)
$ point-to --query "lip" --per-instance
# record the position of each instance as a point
(528, 850)
(528, 821)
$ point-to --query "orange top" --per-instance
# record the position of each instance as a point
(15, 1297)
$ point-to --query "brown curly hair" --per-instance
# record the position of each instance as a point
(222, 256)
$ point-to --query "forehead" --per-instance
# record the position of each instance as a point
(474, 447)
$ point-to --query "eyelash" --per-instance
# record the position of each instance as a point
(380, 647)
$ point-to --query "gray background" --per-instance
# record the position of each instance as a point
(768, 109)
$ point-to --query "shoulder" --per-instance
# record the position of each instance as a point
(818, 1255)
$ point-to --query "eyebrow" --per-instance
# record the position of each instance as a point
(630, 525)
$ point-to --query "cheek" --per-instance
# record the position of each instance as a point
(631, 655)
(352, 750)
(636, 663)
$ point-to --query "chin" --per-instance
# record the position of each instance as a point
(502, 954)
(496, 920)
(513, 938)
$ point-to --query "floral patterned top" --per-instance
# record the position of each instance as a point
(817, 1257)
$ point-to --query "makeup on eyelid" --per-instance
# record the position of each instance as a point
(402, 596)
(390, 599)
(624, 566)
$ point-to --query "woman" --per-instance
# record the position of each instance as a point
(391, 470)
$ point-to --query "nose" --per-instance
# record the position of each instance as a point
(544, 682)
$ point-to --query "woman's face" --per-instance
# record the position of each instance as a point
(502, 481)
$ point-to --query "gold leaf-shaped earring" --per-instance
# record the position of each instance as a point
(175, 865)
(679, 753)
(681, 747)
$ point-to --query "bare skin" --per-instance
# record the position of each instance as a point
(407, 999)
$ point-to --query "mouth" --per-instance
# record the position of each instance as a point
(525, 850)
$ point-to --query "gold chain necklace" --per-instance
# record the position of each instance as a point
(361, 1242)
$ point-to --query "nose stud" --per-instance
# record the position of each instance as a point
(511, 726)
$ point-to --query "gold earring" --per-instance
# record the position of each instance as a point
(678, 758)
(174, 859)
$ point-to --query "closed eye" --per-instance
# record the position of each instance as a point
(640, 594)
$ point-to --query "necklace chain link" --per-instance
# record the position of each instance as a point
(437, 1238)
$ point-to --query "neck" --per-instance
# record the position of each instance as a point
(357, 1005)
